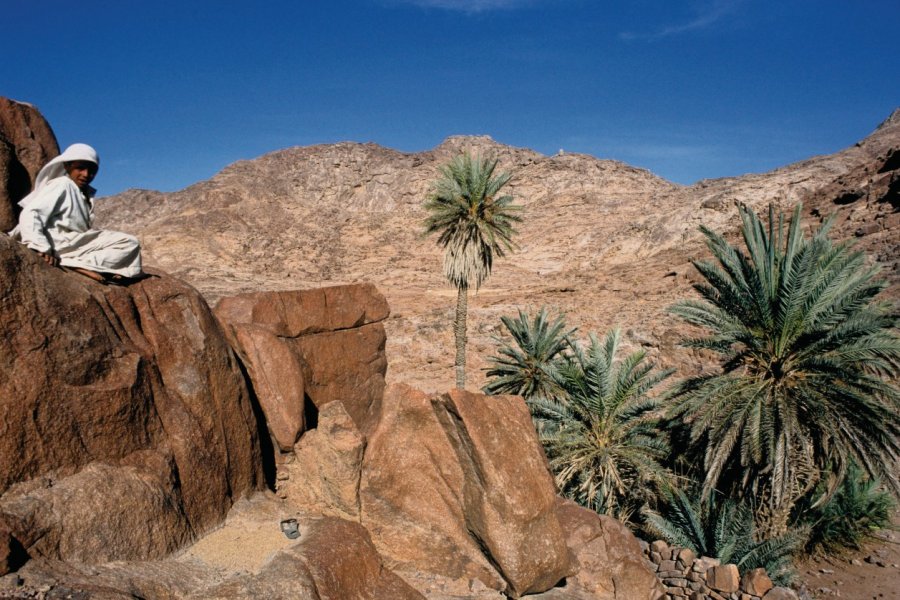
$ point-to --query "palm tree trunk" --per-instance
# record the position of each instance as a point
(459, 329)
(773, 521)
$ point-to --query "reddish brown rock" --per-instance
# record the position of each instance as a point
(608, 562)
(116, 400)
(26, 144)
(325, 473)
(724, 578)
(305, 312)
(343, 562)
(686, 556)
(781, 593)
(756, 582)
(457, 485)
(275, 369)
(324, 344)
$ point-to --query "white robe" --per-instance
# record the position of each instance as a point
(56, 219)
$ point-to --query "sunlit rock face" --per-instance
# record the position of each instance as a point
(120, 406)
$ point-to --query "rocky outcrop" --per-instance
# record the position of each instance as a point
(120, 407)
(473, 501)
(124, 406)
(304, 349)
(26, 144)
(866, 199)
(452, 488)
(607, 556)
(456, 486)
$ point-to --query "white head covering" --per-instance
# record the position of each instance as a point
(56, 167)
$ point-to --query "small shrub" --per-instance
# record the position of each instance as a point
(723, 528)
(857, 510)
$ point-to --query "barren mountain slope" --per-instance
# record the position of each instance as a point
(607, 243)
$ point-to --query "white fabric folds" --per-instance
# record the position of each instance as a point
(56, 219)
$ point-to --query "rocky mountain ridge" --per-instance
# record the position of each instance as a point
(604, 242)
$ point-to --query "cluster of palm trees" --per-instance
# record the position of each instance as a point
(804, 390)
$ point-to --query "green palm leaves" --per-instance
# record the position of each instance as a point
(529, 367)
(602, 440)
(724, 529)
(474, 223)
(593, 411)
(803, 348)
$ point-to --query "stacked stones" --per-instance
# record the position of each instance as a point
(686, 576)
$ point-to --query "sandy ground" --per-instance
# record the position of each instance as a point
(870, 574)
(249, 538)
(252, 535)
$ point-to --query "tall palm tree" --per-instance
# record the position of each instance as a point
(528, 367)
(806, 355)
(602, 439)
(473, 224)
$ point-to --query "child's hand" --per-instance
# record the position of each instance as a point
(49, 259)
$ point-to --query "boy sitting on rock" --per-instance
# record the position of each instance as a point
(56, 220)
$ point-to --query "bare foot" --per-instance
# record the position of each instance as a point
(92, 274)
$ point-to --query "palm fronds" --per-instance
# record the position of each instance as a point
(473, 222)
(528, 367)
(722, 528)
(807, 355)
(601, 438)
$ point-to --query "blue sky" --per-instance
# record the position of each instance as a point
(170, 92)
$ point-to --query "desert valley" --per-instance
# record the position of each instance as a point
(190, 433)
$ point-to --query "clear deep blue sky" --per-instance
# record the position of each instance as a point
(172, 92)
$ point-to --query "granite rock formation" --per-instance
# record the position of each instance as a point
(304, 349)
(129, 432)
(26, 144)
(474, 501)
(607, 557)
(118, 407)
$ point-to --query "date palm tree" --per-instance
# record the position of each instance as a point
(602, 438)
(474, 223)
(807, 357)
(528, 367)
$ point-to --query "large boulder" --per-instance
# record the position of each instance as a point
(119, 407)
(451, 487)
(304, 349)
(607, 558)
(26, 144)
(325, 473)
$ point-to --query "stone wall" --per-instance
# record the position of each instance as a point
(685, 575)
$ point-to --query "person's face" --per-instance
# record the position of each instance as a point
(82, 172)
